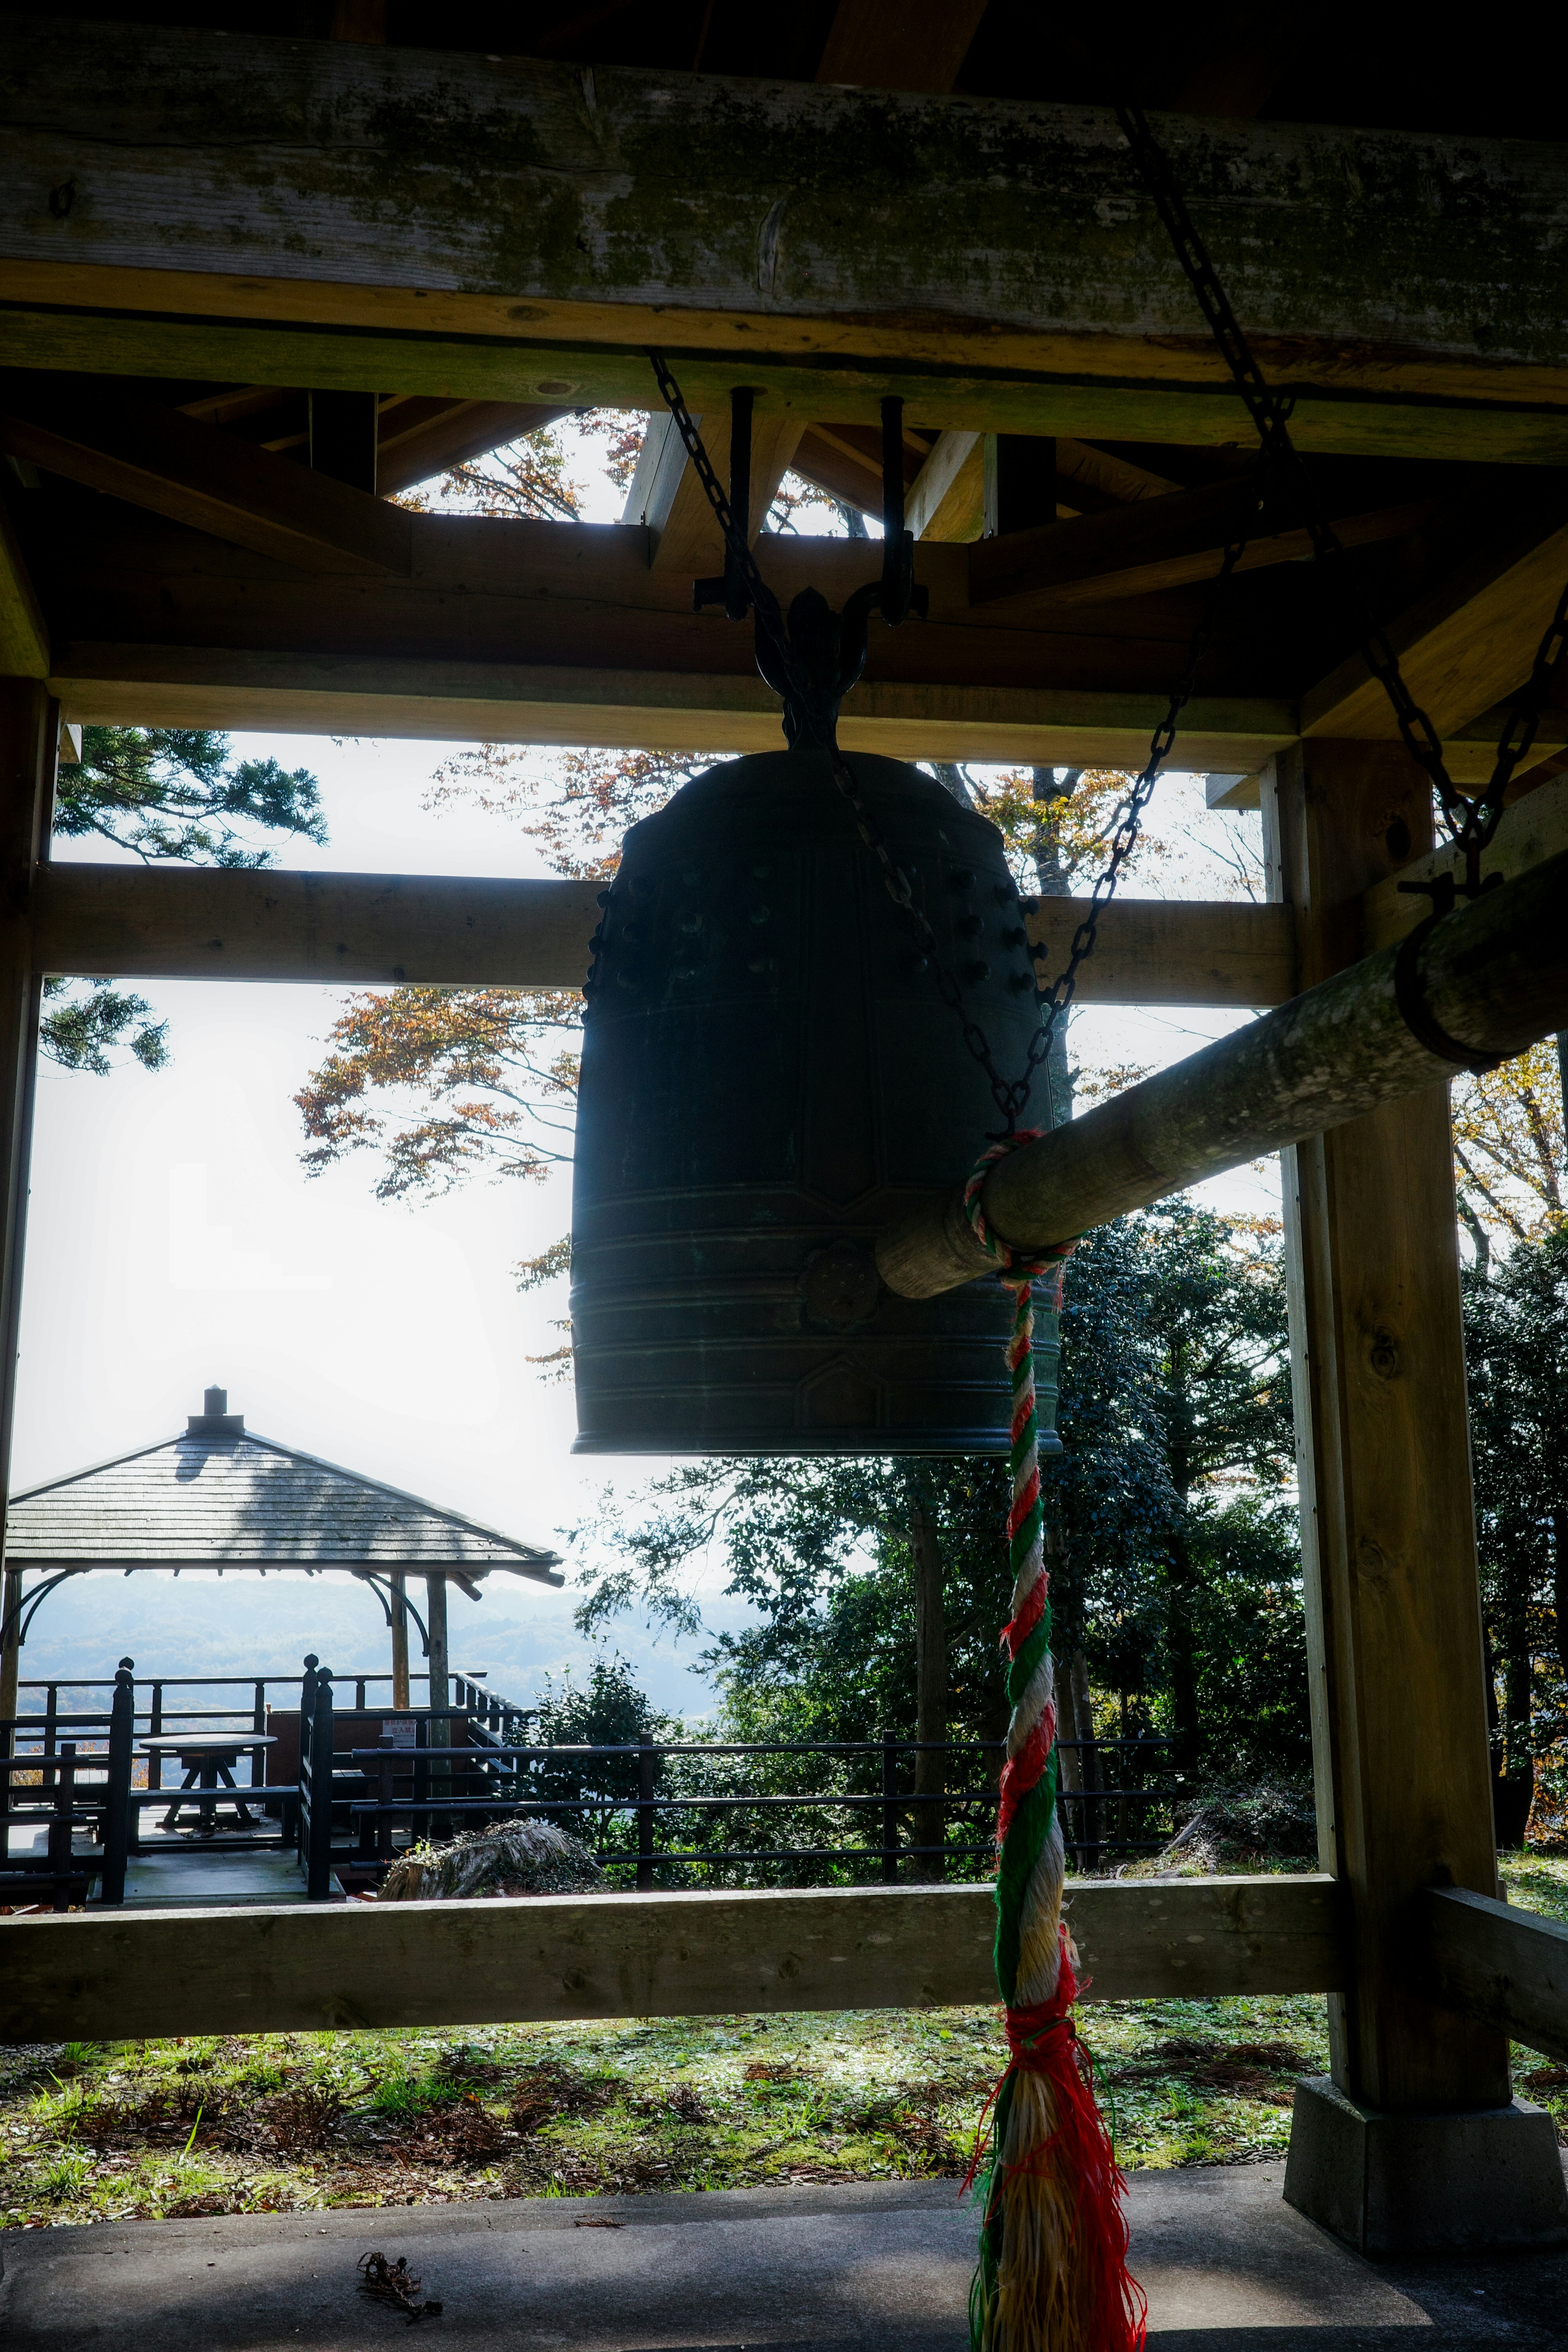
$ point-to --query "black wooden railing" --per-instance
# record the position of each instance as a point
(623, 1819)
(656, 1811)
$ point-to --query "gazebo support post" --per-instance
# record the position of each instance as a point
(440, 1691)
(1414, 2143)
(398, 1580)
(29, 736)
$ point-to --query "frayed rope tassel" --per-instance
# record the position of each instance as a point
(1052, 2274)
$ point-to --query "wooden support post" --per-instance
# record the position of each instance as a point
(30, 734)
(1389, 1559)
(440, 1695)
(398, 1579)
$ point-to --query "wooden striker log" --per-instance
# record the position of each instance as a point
(1493, 974)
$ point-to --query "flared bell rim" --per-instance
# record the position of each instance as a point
(872, 1443)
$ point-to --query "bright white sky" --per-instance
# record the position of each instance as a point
(174, 1240)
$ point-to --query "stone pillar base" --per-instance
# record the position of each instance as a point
(1426, 2182)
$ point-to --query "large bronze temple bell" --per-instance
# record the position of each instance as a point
(769, 1076)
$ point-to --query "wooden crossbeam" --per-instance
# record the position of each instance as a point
(204, 923)
(1505, 1968)
(713, 712)
(194, 474)
(554, 1957)
(533, 631)
(257, 218)
(379, 929)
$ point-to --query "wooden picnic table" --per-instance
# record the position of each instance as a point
(208, 1759)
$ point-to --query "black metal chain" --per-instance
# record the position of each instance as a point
(1130, 816)
(1471, 821)
(1011, 1096)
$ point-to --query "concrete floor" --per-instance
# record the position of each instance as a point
(873, 2267)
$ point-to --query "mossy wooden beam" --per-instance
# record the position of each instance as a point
(115, 1975)
(178, 202)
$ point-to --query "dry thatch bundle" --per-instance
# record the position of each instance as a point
(521, 1857)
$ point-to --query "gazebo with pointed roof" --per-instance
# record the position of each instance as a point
(218, 1495)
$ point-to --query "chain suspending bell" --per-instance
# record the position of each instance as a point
(771, 1063)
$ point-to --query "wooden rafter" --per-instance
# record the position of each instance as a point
(1465, 644)
(191, 472)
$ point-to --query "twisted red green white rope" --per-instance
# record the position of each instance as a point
(1052, 2273)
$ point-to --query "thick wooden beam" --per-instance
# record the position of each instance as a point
(712, 712)
(557, 1957)
(257, 213)
(155, 457)
(1505, 1968)
(1467, 644)
(523, 631)
(1493, 976)
(947, 498)
(378, 929)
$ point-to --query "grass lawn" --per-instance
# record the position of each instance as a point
(293, 2122)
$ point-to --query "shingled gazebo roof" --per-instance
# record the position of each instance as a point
(220, 1496)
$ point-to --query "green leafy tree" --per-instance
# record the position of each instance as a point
(1174, 1570)
(174, 792)
(1516, 1336)
(163, 793)
(1217, 1317)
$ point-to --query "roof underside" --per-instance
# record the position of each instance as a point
(245, 1502)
